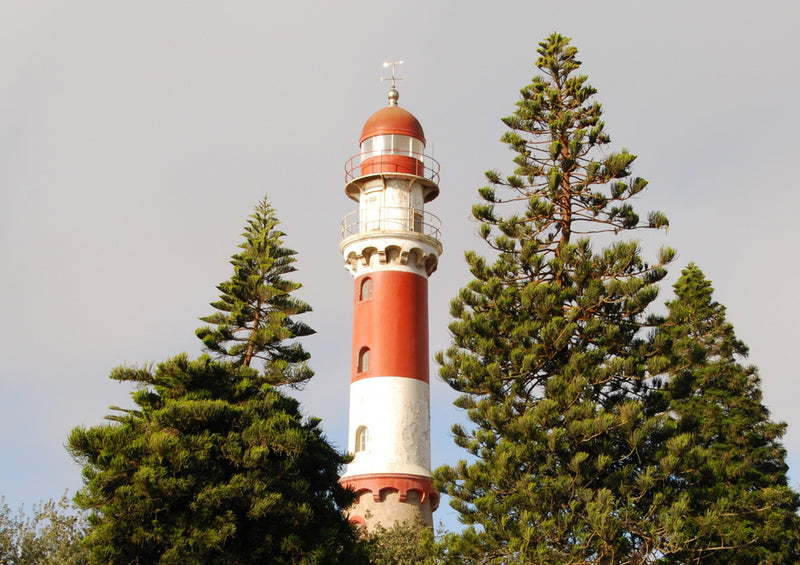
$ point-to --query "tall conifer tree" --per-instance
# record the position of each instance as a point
(740, 509)
(546, 353)
(256, 307)
(213, 466)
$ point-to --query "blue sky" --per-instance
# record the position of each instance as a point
(136, 137)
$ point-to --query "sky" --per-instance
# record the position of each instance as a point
(136, 138)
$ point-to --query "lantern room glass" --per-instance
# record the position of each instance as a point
(391, 144)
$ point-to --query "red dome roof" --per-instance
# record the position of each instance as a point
(392, 119)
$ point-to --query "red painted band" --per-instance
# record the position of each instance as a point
(393, 164)
(403, 484)
(392, 323)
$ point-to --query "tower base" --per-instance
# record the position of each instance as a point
(389, 511)
(387, 500)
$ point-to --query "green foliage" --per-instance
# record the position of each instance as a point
(213, 466)
(51, 535)
(406, 543)
(730, 463)
(254, 318)
(579, 453)
(547, 353)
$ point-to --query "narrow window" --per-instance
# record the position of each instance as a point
(363, 360)
(362, 437)
(366, 289)
(418, 222)
(371, 213)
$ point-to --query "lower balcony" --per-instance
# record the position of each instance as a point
(392, 219)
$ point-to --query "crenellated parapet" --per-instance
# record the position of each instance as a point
(379, 486)
(361, 255)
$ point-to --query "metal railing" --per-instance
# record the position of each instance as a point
(382, 161)
(396, 219)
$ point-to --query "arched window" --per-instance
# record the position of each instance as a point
(363, 360)
(360, 524)
(362, 438)
(366, 289)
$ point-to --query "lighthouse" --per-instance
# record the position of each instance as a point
(391, 245)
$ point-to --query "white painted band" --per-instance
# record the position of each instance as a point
(396, 414)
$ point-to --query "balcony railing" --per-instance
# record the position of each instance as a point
(391, 161)
(395, 219)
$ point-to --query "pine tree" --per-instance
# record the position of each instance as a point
(740, 509)
(254, 318)
(214, 467)
(547, 353)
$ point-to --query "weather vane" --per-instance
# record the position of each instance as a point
(394, 78)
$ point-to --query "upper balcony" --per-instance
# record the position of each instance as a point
(394, 162)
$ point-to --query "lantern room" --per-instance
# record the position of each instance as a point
(392, 142)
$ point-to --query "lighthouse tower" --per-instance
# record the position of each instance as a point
(391, 245)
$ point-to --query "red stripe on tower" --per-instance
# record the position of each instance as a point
(391, 322)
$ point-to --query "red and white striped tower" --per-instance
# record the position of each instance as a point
(391, 245)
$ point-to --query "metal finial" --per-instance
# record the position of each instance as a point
(393, 94)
